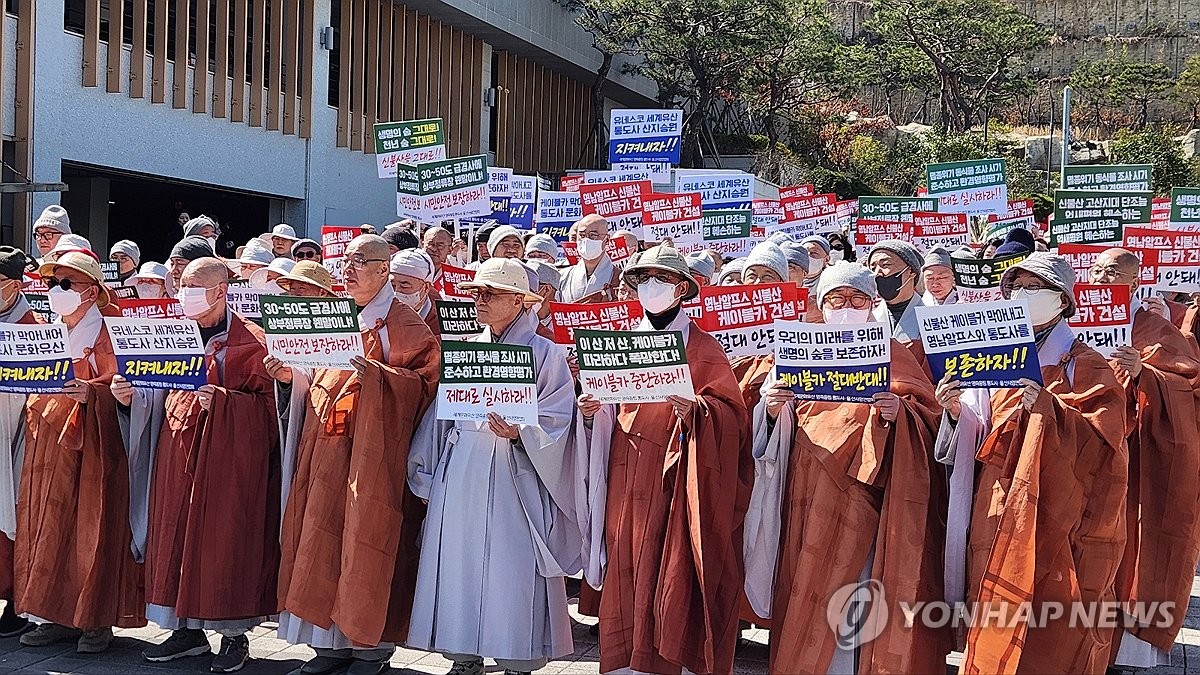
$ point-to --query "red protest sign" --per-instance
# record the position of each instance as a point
(615, 248)
(601, 316)
(948, 230)
(448, 283)
(158, 308)
(1103, 316)
(674, 216)
(797, 191)
(742, 318)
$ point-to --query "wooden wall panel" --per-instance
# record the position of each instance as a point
(412, 43)
(357, 73)
(291, 66)
(344, 39)
(258, 55)
(387, 63)
(137, 55)
(91, 43)
(23, 124)
(158, 85)
(179, 88)
(221, 71)
(475, 107)
(433, 56)
(308, 43)
(200, 93)
(237, 94)
(443, 85)
(274, 108)
(116, 36)
(371, 68)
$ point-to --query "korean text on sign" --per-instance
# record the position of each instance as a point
(987, 344)
(848, 363)
(34, 359)
(481, 377)
(311, 332)
(158, 353)
(633, 366)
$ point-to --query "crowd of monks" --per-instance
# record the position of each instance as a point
(336, 503)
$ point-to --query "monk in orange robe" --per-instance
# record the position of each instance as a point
(1047, 513)
(1160, 372)
(212, 549)
(16, 309)
(848, 492)
(73, 564)
(766, 264)
(678, 484)
(351, 525)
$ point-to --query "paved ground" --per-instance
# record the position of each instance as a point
(272, 656)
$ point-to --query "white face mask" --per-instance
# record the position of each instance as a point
(845, 315)
(836, 255)
(414, 300)
(194, 302)
(1045, 305)
(63, 303)
(272, 288)
(656, 296)
(590, 249)
(148, 291)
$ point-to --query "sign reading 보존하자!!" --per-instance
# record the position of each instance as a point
(158, 353)
(311, 332)
(34, 358)
(409, 143)
(632, 366)
(981, 345)
(848, 363)
(483, 377)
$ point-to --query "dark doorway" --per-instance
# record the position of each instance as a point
(146, 209)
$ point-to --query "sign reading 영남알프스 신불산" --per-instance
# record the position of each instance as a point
(478, 378)
(633, 366)
(409, 143)
(311, 332)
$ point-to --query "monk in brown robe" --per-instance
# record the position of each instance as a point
(1160, 372)
(848, 492)
(73, 565)
(766, 264)
(351, 525)
(678, 484)
(212, 551)
(412, 278)
(1047, 513)
(16, 309)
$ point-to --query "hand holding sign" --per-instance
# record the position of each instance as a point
(949, 395)
(77, 391)
(1029, 392)
(1127, 362)
(277, 370)
(778, 395)
(122, 390)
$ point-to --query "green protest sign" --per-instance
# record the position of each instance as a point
(1096, 216)
(311, 332)
(974, 186)
(482, 377)
(443, 190)
(1116, 177)
(1185, 208)
(408, 143)
(894, 208)
(632, 366)
(456, 319)
(727, 231)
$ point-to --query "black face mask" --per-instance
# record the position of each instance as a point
(889, 286)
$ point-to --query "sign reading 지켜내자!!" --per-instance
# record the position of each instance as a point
(158, 353)
(847, 363)
(311, 332)
(409, 143)
(633, 366)
(645, 136)
(481, 377)
(34, 358)
(981, 345)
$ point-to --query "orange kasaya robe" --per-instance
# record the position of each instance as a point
(677, 496)
(6, 544)
(1049, 519)
(213, 533)
(1163, 508)
(854, 482)
(752, 373)
(73, 562)
(1190, 325)
(352, 527)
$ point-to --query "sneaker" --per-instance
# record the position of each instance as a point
(234, 652)
(94, 641)
(182, 642)
(12, 625)
(48, 634)
(320, 665)
(467, 668)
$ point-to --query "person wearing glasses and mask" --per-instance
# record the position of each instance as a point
(210, 533)
(412, 279)
(75, 484)
(50, 225)
(345, 441)
(897, 268)
(674, 492)
(845, 492)
(1050, 464)
(14, 308)
(501, 533)
(1160, 373)
(592, 279)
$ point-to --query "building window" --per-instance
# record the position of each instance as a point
(335, 54)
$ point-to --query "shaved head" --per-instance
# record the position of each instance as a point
(1126, 260)
(204, 273)
(369, 246)
(592, 223)
(1116, 266)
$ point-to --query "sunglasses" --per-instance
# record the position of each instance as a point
(67, 284)
(306, 255)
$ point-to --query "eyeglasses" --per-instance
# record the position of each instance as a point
(591, 235)
(67, 284)
(356, 262)
(836, 247)
(840, 301)
(1010, 287)
(46, 235)
(639, 278)
(1106, 273)
(486, 294)
(306, 255)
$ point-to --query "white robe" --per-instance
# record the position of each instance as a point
(501, 531)
(577, 284)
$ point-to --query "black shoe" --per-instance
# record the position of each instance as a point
(364, 667)
(12, 625)
(182, 643)
(234, 652)
(322, 665)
